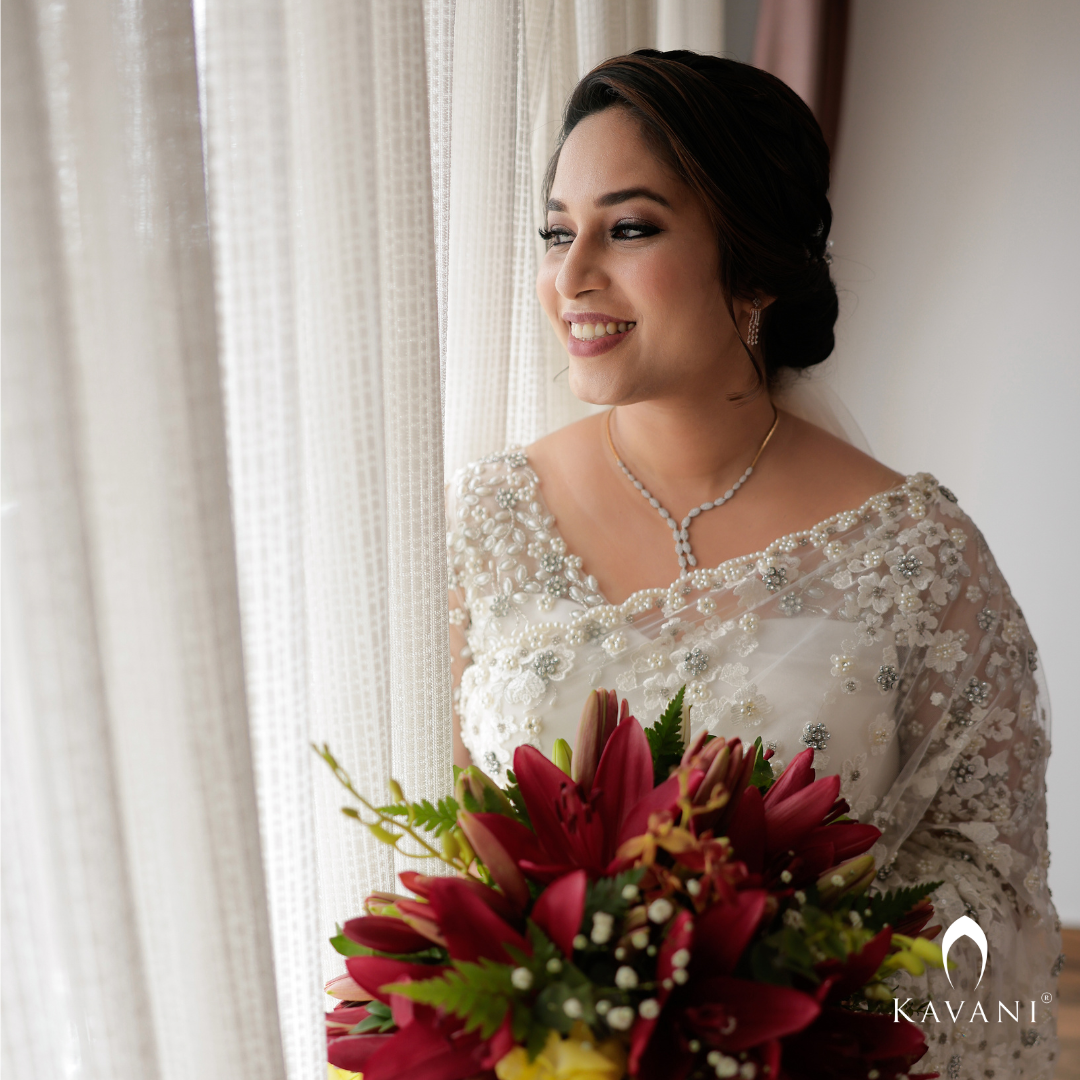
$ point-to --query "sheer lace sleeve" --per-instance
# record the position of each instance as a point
(969, 805)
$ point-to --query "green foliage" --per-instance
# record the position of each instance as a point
(605, 894)
(437, 819)
(513, 793)
(665, 738)
(889, 908)
(379, 1020)
(479, 993)
(791, 952)
(762, 775)
(555, 978)
(492, 804)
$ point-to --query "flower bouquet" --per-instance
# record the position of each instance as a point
(637, 907)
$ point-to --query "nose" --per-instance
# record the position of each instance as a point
(582, 269)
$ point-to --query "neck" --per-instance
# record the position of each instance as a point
(689, 451)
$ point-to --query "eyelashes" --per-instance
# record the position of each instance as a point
(637, 230)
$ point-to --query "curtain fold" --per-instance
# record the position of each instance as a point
(320, 173)
(133, 885)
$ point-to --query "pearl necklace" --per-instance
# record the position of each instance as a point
(681, 532)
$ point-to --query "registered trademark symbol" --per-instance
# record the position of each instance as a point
(1047, 998)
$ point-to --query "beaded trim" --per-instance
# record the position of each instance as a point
(914, 492)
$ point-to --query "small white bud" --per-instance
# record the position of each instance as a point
(522, 978)
(836, 879)
(800, 896)
(620, 953)
(785, 876)
(620, 1018)
(580, 941)
(630, 892)
(649, 1009)
(639, 939)
(667, 984)
(693, 887)
(661, 910)
(681, 958)
(572, 1008)
(680, 975)
(694, 1046)
(554, 965)
(651, 950)
(626, 978)
(603, 1006)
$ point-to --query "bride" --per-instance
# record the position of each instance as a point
(698, 531)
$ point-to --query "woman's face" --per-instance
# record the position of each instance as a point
(631, 246)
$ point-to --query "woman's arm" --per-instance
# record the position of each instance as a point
(459, 661)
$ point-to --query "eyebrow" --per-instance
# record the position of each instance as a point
(613, 198)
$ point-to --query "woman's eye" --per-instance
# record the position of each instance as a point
(558, 236)
(633, 231)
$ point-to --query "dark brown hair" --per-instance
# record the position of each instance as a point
(751, 149)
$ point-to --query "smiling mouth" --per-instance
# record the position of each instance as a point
(591, 331)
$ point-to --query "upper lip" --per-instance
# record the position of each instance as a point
(593, 317)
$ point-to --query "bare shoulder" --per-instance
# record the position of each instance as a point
(572, 445)
(837, 472)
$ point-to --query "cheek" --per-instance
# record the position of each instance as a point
(673, 285)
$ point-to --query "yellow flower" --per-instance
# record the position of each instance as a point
(577, 1057)
(334, 1073)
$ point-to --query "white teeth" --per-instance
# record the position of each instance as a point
(589, 331)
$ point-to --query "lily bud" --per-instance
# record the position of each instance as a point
(850, 877)
(496, 858)
(598, 720)
(562, 755)
(475, 784)
(377, 902)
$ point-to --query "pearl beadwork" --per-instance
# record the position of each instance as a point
(681, 531)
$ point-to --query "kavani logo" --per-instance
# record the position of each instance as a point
(967, 927)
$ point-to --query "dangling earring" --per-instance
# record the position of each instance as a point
(755, 323)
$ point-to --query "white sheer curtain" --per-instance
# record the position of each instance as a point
(323, 228)
(223, 478)
(136, 940)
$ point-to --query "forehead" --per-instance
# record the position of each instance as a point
(608, 152)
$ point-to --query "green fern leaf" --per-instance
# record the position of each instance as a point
(892, 906)
(479, 993)
(665, 738)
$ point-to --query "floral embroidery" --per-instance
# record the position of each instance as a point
(929, 669)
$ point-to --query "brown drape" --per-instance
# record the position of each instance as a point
(803, 43)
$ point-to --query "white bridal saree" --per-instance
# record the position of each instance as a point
(885, 637)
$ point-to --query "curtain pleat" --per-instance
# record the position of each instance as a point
(140, 895)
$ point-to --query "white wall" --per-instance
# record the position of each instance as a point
(957, 243)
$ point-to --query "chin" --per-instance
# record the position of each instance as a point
(593, 386)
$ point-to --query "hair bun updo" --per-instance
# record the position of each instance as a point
(750, 147)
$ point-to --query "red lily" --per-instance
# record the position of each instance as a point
(579, 829)
(843, 1044)
(715, 1008)
(427, 1046)
(791, 827)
